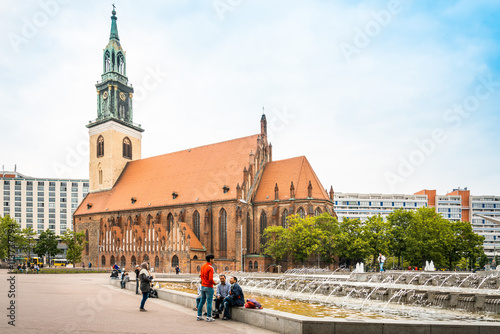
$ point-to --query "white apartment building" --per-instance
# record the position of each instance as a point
(41, 203)
(450, 207)
(485, 219)
(362, 206)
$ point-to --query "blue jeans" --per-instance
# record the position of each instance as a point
(228, 302)
(381, 266)
(145, 296)
(207, 295)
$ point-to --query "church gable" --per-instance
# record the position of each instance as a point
(289, 178)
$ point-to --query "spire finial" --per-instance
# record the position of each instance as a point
(114, 28)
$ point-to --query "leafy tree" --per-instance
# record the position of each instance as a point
(329, 238)
(303, 238)
(47, 245)
(376, 233)
(10, 237)
(352, 244)
(426, 235)
(463, 242)
(276, 242)
(76, 243)
(27, 241)
(483, 260)
(399, 221)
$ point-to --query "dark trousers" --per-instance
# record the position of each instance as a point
(145, 296)
(218, 304)
(228, 302)
(137, 286)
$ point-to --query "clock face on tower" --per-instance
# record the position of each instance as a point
(122, 96)
(105, 95)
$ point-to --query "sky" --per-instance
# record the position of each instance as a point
(380, 96)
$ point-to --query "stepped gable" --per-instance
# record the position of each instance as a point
(195, 175)
(283, 172)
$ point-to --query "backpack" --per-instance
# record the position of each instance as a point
(253, 303)
(153, 293)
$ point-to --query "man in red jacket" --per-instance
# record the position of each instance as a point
(207, 288)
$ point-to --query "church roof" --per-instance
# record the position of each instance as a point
(284, 172)
(191, 176)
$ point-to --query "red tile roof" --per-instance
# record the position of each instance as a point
(190, 237)
(196, 175)
(283, 172)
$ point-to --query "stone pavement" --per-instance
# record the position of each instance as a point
(86, 303)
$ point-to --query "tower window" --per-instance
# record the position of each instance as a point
(100, 146)
(127, 148)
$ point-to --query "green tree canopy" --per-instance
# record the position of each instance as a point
(76, 243)
(10, 237)
(47, 245)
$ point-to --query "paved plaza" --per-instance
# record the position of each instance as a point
(86, 303)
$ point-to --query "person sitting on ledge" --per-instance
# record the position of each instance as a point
(125, 279)
(235, 298)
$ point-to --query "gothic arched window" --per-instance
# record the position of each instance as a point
(175, 261)
(284, 218)
(317, 212)
(263, 225)
(170, 222)
(249, 234)
(196, 224)
(127, 148)
(100, 146)
(301, 213)
(223, 232)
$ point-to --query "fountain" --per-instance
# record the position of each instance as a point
(429, 266)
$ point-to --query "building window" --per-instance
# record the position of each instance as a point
(103, 261)
(301, 213)
(127, 148)
(317, 212)
(157, 262)
(196, 224)
(256, 265)
(100, 175)
(223, 232)
(123, 261)
(112, 260)
(170, 221)
(249, 234)
(100, 146)
(250, 265)
(284, 218)
(132, 261)
(175, 261)
(263, 225)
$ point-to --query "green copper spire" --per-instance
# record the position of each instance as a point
(114, 28)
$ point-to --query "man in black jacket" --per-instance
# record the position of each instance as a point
(137, 271)
(235, 298)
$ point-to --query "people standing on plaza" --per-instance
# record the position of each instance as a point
(90, 265)
(137, 281)
(145, 277)
(37, 268)
(381, 260)
(235, 298)
(177, 270)
(207, 288)
(222, 292)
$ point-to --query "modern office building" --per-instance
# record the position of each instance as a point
(482, 211)
(41, 203)
(362, 206)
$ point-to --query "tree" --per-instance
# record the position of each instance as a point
(76, 243)
(27, 241)
(303, 238)
(376, 233)
(399, 221)
(47, 245)
(329, 226)
(352, 244)
(426, 236)
(10, 237)
(276, 242)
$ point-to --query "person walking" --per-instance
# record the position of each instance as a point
(381, 260)
(207, 288)
(235, 298)
(222, 292)
(137, 280)
(145, 277)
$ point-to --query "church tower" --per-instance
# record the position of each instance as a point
(114, 138)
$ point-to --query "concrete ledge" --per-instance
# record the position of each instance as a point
(296, 324)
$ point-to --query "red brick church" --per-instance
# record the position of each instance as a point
(173, 209)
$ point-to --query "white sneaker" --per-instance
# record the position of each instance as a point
(210, 319)
(199, 318)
